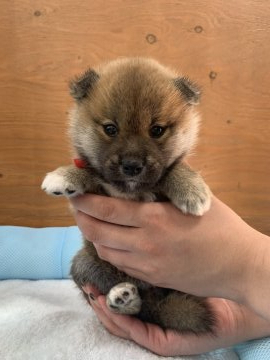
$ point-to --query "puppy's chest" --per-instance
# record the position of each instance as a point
(147, 196)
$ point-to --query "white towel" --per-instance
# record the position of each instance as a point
(50, 320)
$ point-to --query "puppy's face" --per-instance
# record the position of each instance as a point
(133, 119)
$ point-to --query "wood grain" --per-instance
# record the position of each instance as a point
(223, 45)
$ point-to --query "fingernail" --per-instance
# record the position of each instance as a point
(92, 297)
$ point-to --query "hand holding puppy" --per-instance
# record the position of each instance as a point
(216, 255)
(209, 256)
(235, 324)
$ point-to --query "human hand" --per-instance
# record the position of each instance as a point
(155, 242)
(234, 324)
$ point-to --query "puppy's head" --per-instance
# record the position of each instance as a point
(132, 120)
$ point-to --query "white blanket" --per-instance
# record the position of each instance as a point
(49, 320)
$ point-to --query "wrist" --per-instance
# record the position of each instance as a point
(257, 294)
(245, 324)
(236, 261)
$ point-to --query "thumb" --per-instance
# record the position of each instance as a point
(150, 336)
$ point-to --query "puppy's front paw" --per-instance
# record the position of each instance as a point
(124, 299)
(57, 184)
(195, 202)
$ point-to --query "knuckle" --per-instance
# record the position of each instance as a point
(147, 247)
(93, 234)
(144, 243)
(150, 270)
(154, 215)
(107, 211)
(153, 271)
(100, 251)
(84, 224)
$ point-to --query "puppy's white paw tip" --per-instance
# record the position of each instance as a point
(196, 206)
(56, 185)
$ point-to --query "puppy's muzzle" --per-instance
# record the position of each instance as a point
(131, 166)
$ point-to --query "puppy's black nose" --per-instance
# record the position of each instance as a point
(132, 167)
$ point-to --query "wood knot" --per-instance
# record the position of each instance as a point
(151, 38)
(37, 13)
(198, 29)
(212, 75)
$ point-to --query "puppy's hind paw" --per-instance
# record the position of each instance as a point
(124, 299)
(56, 184)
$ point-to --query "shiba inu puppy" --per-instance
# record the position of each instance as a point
(133, 123)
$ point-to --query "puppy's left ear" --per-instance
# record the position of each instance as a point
(82, 85)
(188, 89)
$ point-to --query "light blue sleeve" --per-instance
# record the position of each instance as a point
(44, 253)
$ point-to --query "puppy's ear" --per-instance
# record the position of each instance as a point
(189, 90)
(81, 86)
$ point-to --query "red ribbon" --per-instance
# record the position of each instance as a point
(79, 163)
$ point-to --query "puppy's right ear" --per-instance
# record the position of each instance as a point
(81, 86)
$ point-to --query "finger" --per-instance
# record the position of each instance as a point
(91, 291)
(107, 234)
(107, 322)
(164, 343)
(127, 262)
(115, 319)
(123, 261)
(147, 335)
(116, 211)
(119, 258)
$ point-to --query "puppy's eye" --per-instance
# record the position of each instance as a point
(157, 131)
(110, 130)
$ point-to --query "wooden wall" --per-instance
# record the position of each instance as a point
(224, 45)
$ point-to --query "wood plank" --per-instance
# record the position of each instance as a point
(225, 47)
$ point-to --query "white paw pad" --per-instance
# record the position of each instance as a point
(124, 299)
(55, 184)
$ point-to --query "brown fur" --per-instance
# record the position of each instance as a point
(134, 95)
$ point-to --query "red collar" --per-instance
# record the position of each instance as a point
(79, 163)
